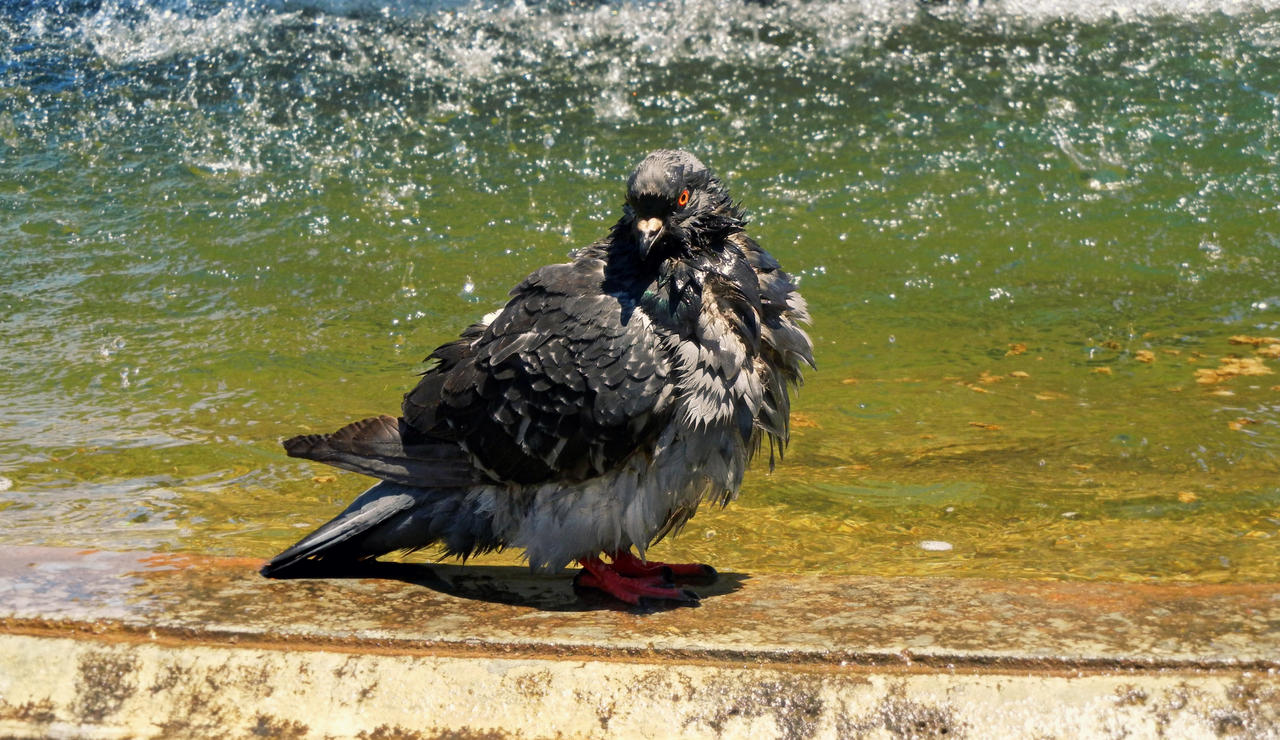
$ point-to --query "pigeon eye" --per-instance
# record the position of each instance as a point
(683, 200)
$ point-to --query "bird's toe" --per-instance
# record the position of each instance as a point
(642, 590)
(678, 595)
(626, 563)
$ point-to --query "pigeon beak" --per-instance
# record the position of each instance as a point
(649, 230)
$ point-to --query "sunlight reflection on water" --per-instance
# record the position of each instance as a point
(1028, 230)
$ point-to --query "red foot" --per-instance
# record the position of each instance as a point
(632, 589)
(630, 565)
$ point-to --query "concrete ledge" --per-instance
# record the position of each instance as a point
(109, 645)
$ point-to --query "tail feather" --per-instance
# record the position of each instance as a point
(387, 448)
(340, 539)
(390, 517)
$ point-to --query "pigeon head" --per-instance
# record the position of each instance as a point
(676, 204)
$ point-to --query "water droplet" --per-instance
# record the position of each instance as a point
(1211, 251)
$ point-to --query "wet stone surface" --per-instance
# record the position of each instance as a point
(97, 644)
(775, 618)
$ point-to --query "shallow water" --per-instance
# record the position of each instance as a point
(1028, 232)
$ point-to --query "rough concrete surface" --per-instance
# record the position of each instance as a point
(109, 645)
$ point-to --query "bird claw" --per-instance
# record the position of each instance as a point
(635, 586)
(635, 591)
(627, 564)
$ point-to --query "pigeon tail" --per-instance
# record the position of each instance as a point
(389, 517)
(388, 448)
(338, 541)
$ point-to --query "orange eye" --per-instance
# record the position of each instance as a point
(683, 200)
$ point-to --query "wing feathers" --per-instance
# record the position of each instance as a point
(564, 383)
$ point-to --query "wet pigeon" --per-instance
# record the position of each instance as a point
(594, 412)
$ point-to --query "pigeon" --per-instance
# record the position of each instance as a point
(593, 413)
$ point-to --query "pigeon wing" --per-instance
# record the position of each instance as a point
(566, 382)
(784, 345)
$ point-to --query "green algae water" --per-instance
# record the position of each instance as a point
(1040, 239)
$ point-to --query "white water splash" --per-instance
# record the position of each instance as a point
(458, 42)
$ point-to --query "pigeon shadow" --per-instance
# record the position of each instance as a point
(517, 586)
